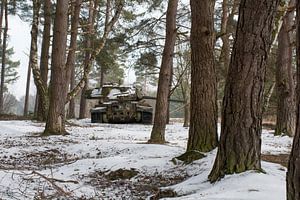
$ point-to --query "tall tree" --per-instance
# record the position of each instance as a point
(58, 89)
(240, 142)
(293, 173)
(286, 110)
(71, 55)
(88, 47)
(160, 118)
(3, 55)
(33, 57)
(203, 125)
(44, 62)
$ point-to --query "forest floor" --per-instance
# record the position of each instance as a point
(113, 161)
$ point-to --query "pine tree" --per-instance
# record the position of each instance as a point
(240, 142)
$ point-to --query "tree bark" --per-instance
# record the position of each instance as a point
(44, 62)
(71, 55)
(225, 51)
(293, 173)
(160, 118)
(3, 57)
(33, 56)
(286, 110)
(55, 124)
(204, 115)
(26, 100)
(87, 59)
(240, 142)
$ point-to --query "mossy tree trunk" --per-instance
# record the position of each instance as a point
(55, 124)
(203, 122)
(163, 91)
(240, 143)
(286, 111)
(293, 174)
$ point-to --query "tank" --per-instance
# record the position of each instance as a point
(119, 104)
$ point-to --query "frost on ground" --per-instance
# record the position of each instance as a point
(112, 161)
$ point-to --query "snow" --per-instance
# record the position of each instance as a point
(102, 148)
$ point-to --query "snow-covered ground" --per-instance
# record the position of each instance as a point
(86, 165)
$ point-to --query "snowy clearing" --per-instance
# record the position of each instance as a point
(112, 161)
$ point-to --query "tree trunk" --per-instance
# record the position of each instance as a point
(33, 56)
(58, 88)
(71, 55)
(87, 60)
(160, 118)
(1, 17)
(3, 57)
(240, 142)
(44, 63)
(203, 126)
(293, 173)
(101, 77)
(26, 100)
(286, 112)
(268, 96)
(186, 99)
(225, 51)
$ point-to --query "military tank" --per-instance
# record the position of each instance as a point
(119, 104)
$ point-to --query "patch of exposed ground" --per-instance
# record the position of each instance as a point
(137, 185)
(281, 159)
(36, 160)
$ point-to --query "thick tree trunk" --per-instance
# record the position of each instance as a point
(3, 57)
(44, 63)
(71, 55)
(161, 108)
(87, 60)
(203, 126)
(240, 142)
(58, 88)
(293, 173)
(286, 110)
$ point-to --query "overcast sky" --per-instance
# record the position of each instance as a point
(19, 39)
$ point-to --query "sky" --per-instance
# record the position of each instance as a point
(19, 39)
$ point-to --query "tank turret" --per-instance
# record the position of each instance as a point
(119, 104)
